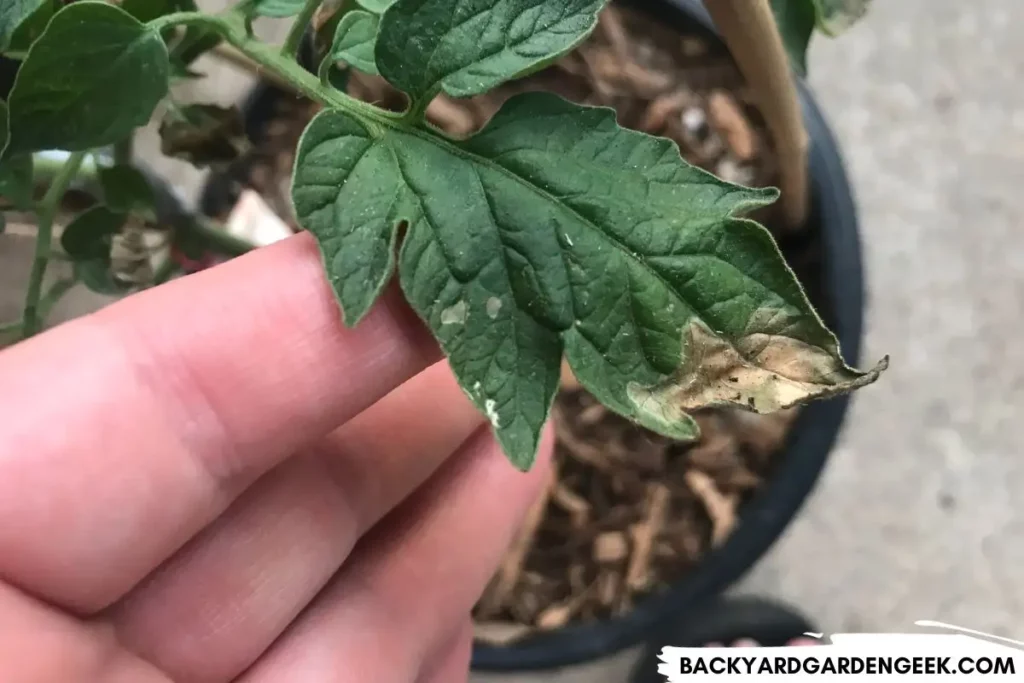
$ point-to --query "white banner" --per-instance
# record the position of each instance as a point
(966, 655)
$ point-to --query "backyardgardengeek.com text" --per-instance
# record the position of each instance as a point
(839, 664)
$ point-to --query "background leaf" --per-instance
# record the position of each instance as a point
(554, 227)
(204, 134)
(33, 26)
(94, 75)
(275, 8)
(126, 189)
(5, 131)
(16, 181)
(375, 6)
(355, 40)
(796, 21)
(87, 240)
(467, 48)
(12, 14)
(835, 16)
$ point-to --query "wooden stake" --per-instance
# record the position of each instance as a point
(749, 30)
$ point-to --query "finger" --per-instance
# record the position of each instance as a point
(414, 577)
(127, 431)
(40, 643)
(219, 603)
(451, 664)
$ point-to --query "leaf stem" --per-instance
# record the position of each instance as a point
(53, 295)
(209, 234)
(124, 150)
(298, 29)
(46, 166)
(231, 27)
(8, 328)
(48, 208)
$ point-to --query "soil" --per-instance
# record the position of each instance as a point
(628, 512)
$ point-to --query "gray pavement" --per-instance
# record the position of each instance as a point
(917, 516)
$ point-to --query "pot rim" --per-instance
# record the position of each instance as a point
(809, 443)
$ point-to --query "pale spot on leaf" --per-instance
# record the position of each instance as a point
(490, 407)
(454, 315)
(493, 307)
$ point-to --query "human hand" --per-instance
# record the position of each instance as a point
(215, 480)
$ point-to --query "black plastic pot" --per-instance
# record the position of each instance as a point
(833, 224)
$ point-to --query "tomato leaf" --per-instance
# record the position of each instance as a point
(87, 241)
(94, 75)
(797, 20)
(554, 230)
(354, 42)
(12, 14)
(204, 134)
(16, 181)
(467, 48)
(127, 190)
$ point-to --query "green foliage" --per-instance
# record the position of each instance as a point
(467, 48)
(354, 42)
(87, 240)
(552, 233)
(16, 181)
(5, 131)
(203, 134)
(797, 20)
(274, 8)
(94, 75)
(375, 6)
(15, 172)
(127, 190)
(12, 14)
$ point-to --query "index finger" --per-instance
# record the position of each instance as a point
(123, 433)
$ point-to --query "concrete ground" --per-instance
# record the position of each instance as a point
(915, 517)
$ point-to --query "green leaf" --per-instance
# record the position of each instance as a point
(87, 241)
(147, 10)
(5, 130)
(344, 193)
(94, 75)
(835, 16)
(275, 8)
(555, 229)
(32, 26)
(796, 20)
(354, 41)
(196, 41)
(126, 189)
(16, 181)
(204, 134)
(375, 6)
(12, 14)
(467, 48)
